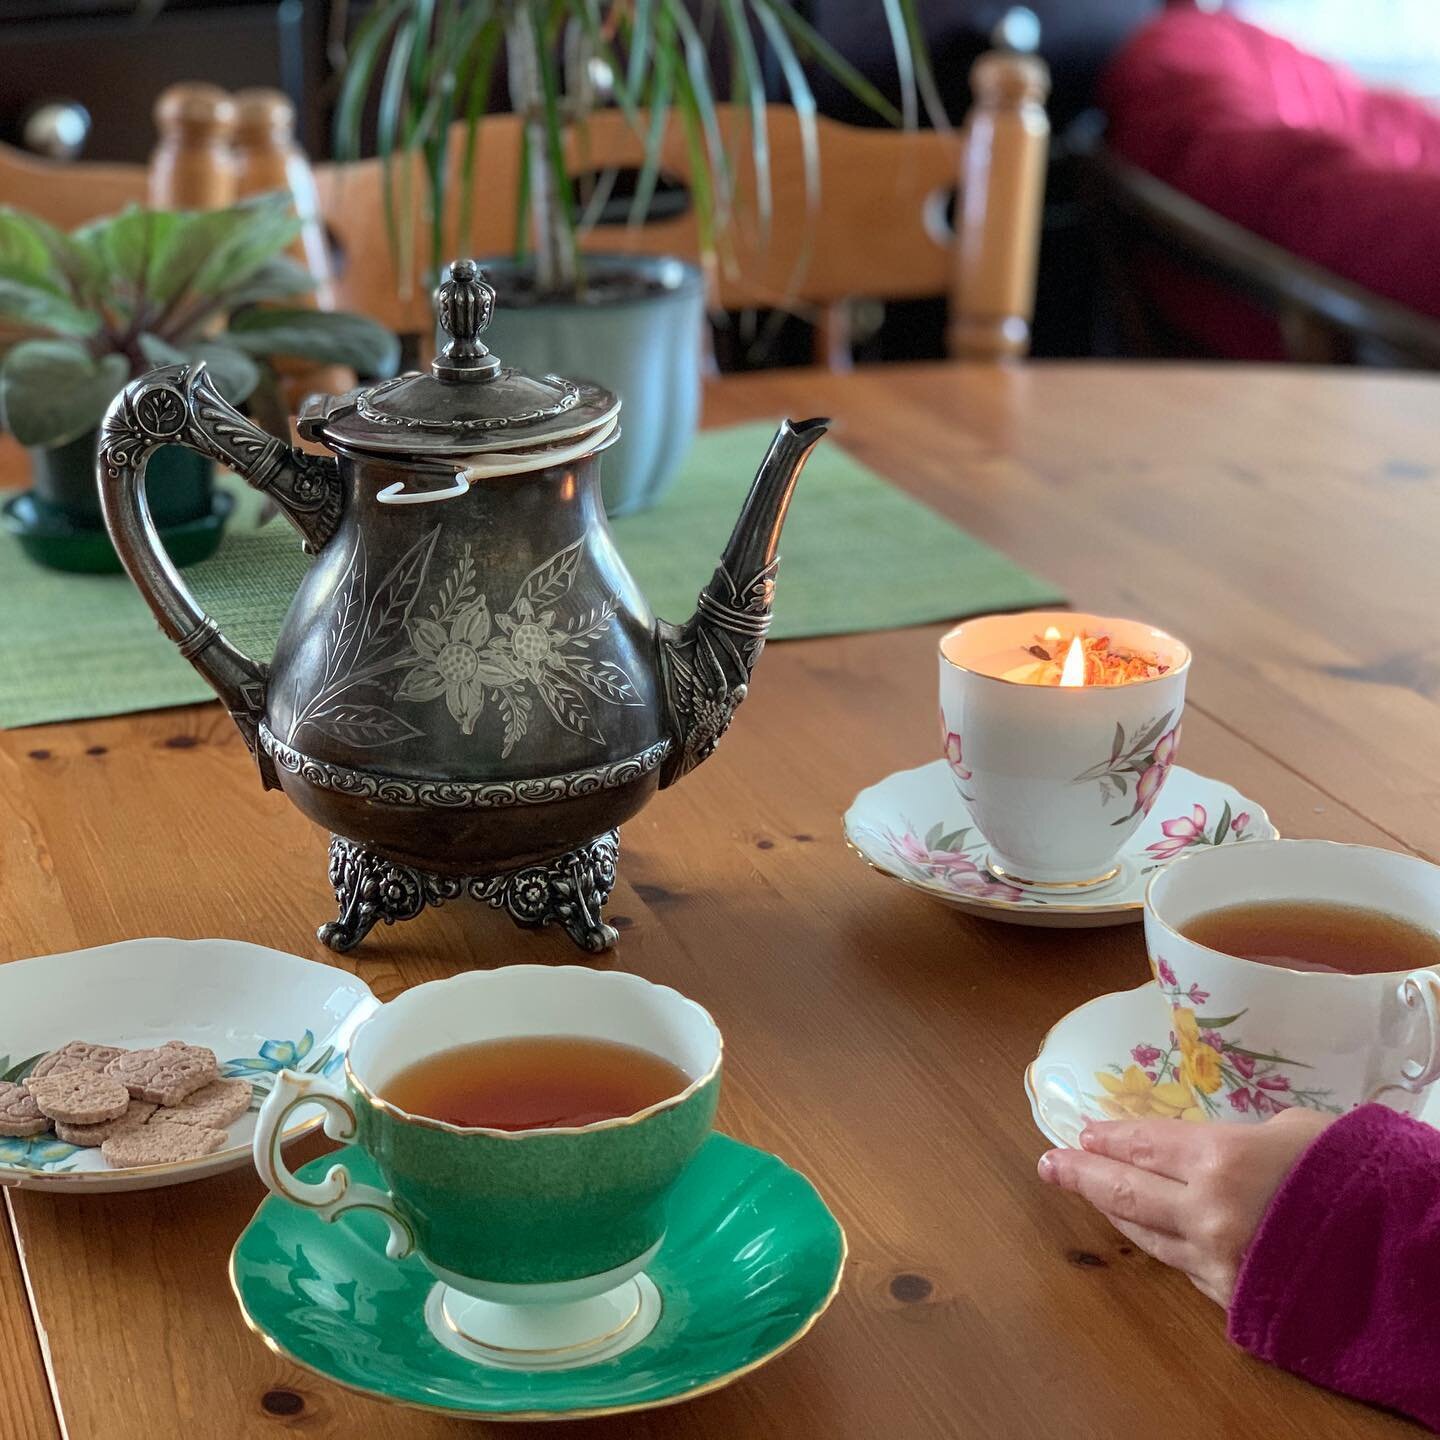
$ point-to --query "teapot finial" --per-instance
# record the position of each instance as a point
(463, 306)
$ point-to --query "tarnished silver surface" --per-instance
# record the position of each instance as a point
(468, 676)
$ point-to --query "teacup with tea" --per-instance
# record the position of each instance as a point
(1295, 972)
(529, 1123)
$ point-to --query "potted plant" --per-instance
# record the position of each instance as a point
(632, 323)
(82, 314)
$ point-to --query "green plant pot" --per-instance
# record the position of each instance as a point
(639, 332)
(58, 520)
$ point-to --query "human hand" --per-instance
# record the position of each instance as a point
(1190, 1195)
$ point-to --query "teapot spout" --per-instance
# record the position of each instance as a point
(706, 662)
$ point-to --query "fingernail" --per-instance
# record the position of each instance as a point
(1086, 1136)
(1047, 1167)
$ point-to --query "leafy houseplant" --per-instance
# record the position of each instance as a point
(82, 314)
(634, 324)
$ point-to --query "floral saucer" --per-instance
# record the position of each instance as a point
(259, 1010)
(1116, 1057)
(751, 1260)
(915, 827)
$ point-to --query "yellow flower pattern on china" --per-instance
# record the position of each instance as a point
(1205, 1071)
(1133, 1095)
(1199, 1061)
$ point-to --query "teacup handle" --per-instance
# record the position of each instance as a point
(337, 1192)
(1420, 989)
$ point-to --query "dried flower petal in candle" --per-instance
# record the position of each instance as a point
(1105, 664)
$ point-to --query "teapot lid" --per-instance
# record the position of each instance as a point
(469, 403)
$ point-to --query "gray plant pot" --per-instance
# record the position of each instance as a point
(639, 333)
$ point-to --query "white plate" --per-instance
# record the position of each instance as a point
(1102, 1036)
(914, 827)
(259, 1010)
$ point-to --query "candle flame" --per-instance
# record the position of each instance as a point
(1074, 671)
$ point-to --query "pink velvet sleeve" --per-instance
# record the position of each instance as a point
(1342, 1281)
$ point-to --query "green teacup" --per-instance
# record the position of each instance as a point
(537, 1236)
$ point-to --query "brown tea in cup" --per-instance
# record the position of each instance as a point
(535, 1082)
(1316, 935)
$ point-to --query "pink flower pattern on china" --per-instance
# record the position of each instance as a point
(947, 860)
(953, 757)
(1194, 829)
(1142, 760)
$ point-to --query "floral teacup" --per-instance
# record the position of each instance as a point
(1238, 1040)
(537, 1237)
(1056, 778)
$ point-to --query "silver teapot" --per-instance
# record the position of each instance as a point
(468, 691)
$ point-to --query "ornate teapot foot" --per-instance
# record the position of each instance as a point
(568, 890)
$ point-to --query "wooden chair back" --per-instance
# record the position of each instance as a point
(1323, 318)
(880, 226)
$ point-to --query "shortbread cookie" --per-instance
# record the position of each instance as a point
(19, 1114)
(162, 1142)
(136, 1114)
(79, 1097)
(167, 1073)
(220, 1103)
(75, 1055)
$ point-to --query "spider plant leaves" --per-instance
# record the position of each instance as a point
(919, 56)
(640, 39)
(661, 92)
(326, 336)
(53, 391)
(813, 45)
(802, 98)
(479, 68)
(699, 101)
(431, 61)
(370, 39)
(748, 88)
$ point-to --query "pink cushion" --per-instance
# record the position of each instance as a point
(1286, 145)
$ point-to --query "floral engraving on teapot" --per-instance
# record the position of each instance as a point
(461, 651)
(466, 652)
(365, 640)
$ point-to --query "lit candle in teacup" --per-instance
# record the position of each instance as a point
(1057, 782)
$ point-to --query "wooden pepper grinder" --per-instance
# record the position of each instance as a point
(267, 157)
(193, 166)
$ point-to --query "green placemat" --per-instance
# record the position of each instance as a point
(858, 555)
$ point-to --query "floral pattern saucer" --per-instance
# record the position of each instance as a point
(259, 1010)
(1115, 1058)
(916, 827)
(750, 1261)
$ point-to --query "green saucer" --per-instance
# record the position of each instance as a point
(750, 1261)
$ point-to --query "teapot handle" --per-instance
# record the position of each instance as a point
(179, 405)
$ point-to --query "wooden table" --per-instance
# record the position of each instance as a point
(1285, 523)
